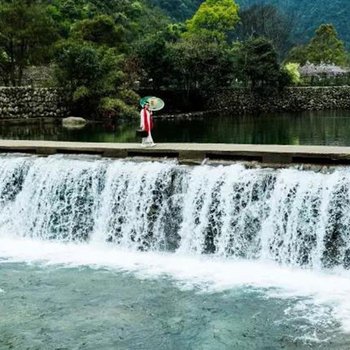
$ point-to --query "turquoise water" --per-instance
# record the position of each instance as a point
(313, 128)
(52, 307)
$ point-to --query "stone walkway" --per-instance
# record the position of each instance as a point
(189, 152)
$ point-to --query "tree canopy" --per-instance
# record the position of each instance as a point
(215, 18)
(309, 15)
(267, 21)
(178, 10)
(324, 47)
(26, 34)
(257, 62)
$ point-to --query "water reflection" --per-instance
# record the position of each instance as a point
(312, 128)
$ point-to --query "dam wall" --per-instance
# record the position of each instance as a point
(189, 152)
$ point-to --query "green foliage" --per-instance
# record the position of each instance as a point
(310, 14)
(153, 55)
(178, 10)
(100, 30)
(199, 63)
(116, 108)
(26, 34)
(304, 16)
(215, 18)
(298, 54)
(324, 47)
(292, 69)
(257, 64)
(267, 21)
(133, 18)
(81, 93)
(78, 65)
(92, 74)
(130, 97)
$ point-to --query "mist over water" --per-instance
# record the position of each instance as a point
(209, 228)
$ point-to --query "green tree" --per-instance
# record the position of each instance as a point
(178, 10)
(215, 18)
(135, 18)
(94, 80)
(199, 63)
(71, 10)
(257, 64)
(267, 21)
(326, 47)
(26, 35)
(152, 52)
(100, 30)
(292, 69)
(298, 54)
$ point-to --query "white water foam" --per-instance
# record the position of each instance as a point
(209, 217)
(323, 289)
(288, 216)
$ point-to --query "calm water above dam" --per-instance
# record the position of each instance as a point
(312, 128)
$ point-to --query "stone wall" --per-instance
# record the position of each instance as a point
(21, 103)
(30, 103)
(294, 99)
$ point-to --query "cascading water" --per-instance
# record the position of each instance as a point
(271, 247)
(298, 218)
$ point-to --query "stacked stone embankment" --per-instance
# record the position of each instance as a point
(28, 103)
(20, 103)
(296, 99)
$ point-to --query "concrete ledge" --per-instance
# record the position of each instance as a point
(189, 152)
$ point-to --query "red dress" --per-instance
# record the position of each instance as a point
(147, 122)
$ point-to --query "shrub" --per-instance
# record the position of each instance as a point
(292, 69)
(116, 108)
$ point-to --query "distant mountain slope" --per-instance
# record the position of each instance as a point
(307, 14)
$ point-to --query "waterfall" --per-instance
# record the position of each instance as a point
(293, 217)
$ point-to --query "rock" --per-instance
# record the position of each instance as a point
(74, 123)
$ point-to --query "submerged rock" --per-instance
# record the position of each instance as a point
(74, 123)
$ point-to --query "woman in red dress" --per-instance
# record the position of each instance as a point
(147, 125)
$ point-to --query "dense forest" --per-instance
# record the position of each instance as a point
(103, 52)
(306, 14)
(309, 14)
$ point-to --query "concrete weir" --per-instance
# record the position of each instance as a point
(189, 152)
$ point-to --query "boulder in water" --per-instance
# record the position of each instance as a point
(74, 123)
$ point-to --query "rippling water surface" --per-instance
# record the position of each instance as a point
(138, 302)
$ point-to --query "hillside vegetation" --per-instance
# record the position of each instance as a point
(307, 15)
(102, 51)
(310, 14)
